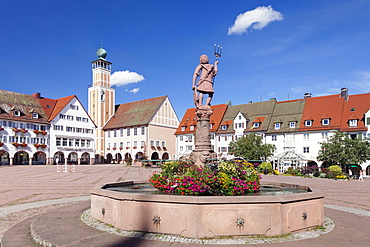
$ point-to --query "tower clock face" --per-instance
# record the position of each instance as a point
(102, 95)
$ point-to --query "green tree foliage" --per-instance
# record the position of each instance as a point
(251, 147)
(341, 150)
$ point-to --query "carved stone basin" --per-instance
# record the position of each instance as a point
(208, 216)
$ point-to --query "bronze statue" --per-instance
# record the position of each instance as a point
(206, 73)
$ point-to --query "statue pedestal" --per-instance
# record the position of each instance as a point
(203, 149)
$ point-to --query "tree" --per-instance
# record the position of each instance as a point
(341, 150)
(251, 147)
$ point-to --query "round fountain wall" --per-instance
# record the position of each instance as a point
(208, 216)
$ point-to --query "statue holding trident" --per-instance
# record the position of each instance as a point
(203, 151)
(206, 73)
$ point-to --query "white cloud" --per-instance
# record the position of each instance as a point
(257, 19)
(122, 78)
(134, 91)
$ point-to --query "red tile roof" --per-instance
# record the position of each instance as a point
(355, 108)
(316, 108)
(189, 118)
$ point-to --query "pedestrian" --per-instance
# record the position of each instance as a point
(349, 173)
(361, 177)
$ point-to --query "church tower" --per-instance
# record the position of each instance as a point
(101, 99)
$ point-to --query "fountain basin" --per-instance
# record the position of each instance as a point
(208, 216)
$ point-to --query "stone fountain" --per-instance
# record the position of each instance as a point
(207, 216)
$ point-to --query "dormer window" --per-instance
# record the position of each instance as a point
(183, 128)
(17, 113)
(352, 123)
(292, 124)
(277, 126)
(191, 127)
(325, 121)
(256, 125)
(35, 115)
(223, 127)
(308, 123)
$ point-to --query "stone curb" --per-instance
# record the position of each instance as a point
(328, 227)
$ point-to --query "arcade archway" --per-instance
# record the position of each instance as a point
(85, 158)
(58, 158)
(21, 158)
(39, 158)
(72, 158)
(4, 158)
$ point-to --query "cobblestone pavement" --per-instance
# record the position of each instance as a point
(26, 191)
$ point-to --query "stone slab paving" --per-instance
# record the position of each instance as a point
(26, 191)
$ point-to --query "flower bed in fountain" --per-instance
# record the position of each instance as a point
(227, 178)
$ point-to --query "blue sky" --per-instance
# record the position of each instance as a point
(279, 49)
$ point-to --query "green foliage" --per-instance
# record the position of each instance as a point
(265, 167)
(335, 170)
(251, 147)
(341, 150)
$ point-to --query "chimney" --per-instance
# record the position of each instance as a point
(272, 99)
(37, 95)
(249, 102)
(344, 93)
(307, 95)
(228, 103)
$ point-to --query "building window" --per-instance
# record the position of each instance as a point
(152, 143)
(223, 149)
(128, 131)
(114, 133)
(69, 117)
(256, 125)
(62, 116)
(191, 127)
(274, 138)
(73, 107)
(181, 138)
(306, 150)
(189, 138)
(157, 143)
(108, 132)
(121, 132)
(17, 113)
(35, 115)
(142, 144)
(58, 127)
(128, 144)
(224, 127)
(306, 136)
(324, 135)
(142, 130)
(163, 144)
(308, 123)
(135, 131)
(277, 126)
(325, 121)
(189, 147)
(58, 142)
(182, 128)
(135, 143)
(181, 148)
(352, 123)
(292, 124)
